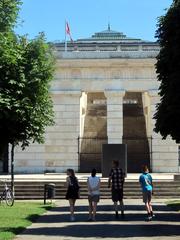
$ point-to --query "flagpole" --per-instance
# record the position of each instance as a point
(65, 42)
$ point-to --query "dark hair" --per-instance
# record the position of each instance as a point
(145, 168)
(93, 172)
(71, 171)
(116, 163)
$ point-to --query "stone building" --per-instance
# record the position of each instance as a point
(105, 90)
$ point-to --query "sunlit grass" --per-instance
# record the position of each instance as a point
(14, 220)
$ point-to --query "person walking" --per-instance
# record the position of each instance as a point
(72, 191)
(145, 180)
(93, 183)
(116, 181)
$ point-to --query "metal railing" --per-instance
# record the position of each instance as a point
(139, 151)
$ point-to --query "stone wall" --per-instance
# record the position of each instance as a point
(61, 140)
(164, 152)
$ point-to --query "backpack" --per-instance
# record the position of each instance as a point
(73, 184)
(147, 180)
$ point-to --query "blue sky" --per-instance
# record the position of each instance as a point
(136, 18)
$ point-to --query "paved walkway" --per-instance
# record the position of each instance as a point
(55, 224)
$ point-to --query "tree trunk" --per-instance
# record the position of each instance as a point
(6, 159)
(12, 167)
(4, 156)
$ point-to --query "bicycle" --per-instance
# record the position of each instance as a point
(7, 195)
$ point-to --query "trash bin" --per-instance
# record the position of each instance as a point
(49, 191)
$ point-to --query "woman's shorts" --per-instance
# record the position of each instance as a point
(93, 198)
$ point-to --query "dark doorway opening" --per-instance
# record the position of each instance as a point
(93, 130)
(134, 133)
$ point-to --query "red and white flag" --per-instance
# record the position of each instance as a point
(68, 32)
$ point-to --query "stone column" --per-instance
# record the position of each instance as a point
(164, 152)
(114, 115)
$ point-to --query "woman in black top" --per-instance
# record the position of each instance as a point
(72, 191)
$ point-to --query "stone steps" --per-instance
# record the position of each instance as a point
(35, 190)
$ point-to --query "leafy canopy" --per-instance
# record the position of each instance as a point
(26, 70)
(9, 10)
(168, 71)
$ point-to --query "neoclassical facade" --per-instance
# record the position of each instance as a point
(105, 90)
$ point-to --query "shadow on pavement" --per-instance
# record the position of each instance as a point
(107, 230)
(106, 217)
(134, 225)
(128, 207)
(106, 213)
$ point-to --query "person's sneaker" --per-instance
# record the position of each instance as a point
(148, 219)
(89, 219)
(116, 215)
(72, 218)
(153, 215)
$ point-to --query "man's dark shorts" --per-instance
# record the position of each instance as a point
(117, 195)
(147, 196)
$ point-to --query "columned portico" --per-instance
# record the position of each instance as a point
(114, 115)
(105, 69)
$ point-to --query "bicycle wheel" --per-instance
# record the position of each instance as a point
(9, 197)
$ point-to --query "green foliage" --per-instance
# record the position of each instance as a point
(15, 219)
(8, 14)
(168, 70)
(26, 69)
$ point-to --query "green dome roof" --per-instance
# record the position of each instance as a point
(109, 35)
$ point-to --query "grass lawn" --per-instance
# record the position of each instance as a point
(175, 205)
(15, 219)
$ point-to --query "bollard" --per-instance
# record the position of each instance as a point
(49, 191)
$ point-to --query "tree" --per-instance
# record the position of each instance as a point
(26, 70)
(8, 17)
(168, 72)
(25, 75)
(8, 14)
